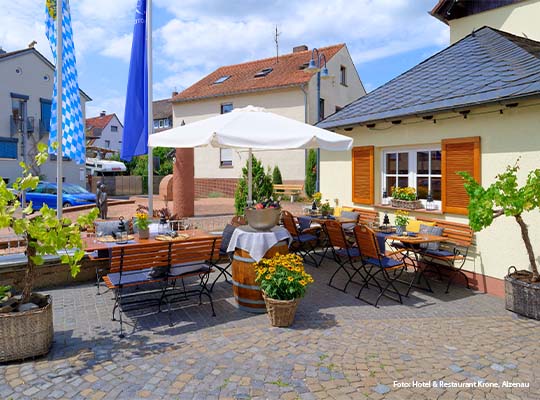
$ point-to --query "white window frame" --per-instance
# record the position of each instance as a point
(412, 174)
(225, 158)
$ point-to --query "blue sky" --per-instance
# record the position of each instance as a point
(193, 37)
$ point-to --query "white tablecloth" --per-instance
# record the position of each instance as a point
(255, 242)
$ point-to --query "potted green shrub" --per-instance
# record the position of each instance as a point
(401, 221)
(26, 323)
(506, 197)
(283, 282)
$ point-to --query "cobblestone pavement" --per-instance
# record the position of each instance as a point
(338, 348)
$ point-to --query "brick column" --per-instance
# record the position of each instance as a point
(184, 183)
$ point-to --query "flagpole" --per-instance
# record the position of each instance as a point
(150, 105)
(59, 133)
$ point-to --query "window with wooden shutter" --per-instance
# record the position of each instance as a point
(462, 154)
(362, 174)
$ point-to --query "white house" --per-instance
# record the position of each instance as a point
(281, 85)
(105, 131)
(26, 86)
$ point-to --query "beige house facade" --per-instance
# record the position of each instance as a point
(291, 93)
(478, 110)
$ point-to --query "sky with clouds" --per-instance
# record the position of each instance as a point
(191, 38)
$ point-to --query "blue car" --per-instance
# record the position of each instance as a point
(45, 193)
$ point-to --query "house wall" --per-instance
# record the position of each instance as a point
(115, 138)
(289, 103)
(520, 19)
(504, 139)
(31, 83)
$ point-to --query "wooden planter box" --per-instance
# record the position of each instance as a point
(406, 204)
(521, 297)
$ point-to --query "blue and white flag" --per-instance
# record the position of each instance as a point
(73, 136)
(135, 140)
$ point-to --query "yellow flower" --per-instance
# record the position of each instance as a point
(297, 269)
(272, 270)
(268, 277)
(290, 278)
(303, 282)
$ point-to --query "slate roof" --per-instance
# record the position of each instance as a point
(285, 73)
(487, 66)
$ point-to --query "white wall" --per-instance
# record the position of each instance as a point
(30, 82)
(520, 19)
(115, 138)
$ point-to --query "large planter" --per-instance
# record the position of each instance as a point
(263, 219)
(280, 312)
(407, 204)
(522, 297)
(26, 334)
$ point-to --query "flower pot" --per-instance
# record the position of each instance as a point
(522, 296)
(280, 312)
(26, 334)
(406, 204)
(144, 233)
(263, 219)
(400, 229)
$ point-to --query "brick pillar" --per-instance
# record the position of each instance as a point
(184, 183)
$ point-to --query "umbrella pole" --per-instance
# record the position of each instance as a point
(250, 178)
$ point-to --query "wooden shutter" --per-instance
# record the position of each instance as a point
(462, 154)
(362, 174)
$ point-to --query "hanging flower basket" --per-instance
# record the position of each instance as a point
(407, 204)
(280, 312)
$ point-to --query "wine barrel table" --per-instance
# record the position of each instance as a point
(247, 293)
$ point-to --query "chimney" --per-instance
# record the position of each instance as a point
(102, 114)
(175, 93)
(298, 49)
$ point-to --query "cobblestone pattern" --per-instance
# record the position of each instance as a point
(338, 348)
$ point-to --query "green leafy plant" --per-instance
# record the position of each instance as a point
(262, 186)
(44, 233)
(276, 176)
(283, 277)
(404, 193)
(326, 209)
(402, 218)
(141, 220)
(505, 197)
(4, 290)
(311, 172)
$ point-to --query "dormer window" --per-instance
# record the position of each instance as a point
(222, 79)
(263, 72)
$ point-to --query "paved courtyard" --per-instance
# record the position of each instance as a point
(338, 347)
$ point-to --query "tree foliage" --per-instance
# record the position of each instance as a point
(262, 186)
(276, 176)
(504, 197)
(45, 234)
(139, 165)
(311, 172)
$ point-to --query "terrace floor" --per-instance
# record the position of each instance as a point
(338, 347)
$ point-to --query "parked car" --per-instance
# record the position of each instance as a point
(45, 193)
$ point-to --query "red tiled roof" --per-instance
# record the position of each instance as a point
(99, 122)
(287, 72)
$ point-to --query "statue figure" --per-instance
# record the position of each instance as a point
(102, 201)
(98, 193)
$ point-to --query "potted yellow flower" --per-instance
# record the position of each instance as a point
(401, 220)
(142, 223)
(405, 197)
(283, 282)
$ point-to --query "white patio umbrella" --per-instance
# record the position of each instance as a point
(251, 128)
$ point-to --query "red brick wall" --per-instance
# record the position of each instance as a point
(226, 186)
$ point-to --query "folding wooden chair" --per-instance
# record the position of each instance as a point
(303, 241)
(380, 264)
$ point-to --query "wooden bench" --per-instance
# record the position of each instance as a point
(452, 253)
(156, 267)
(288, 190)
(367, 217)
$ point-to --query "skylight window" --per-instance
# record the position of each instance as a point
(263, 72)
(222, 79)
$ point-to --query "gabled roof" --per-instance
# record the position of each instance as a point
(487, 66)
(16, 53)
(100, 122)
(162, 109)
(447, 10)
(289, 71)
